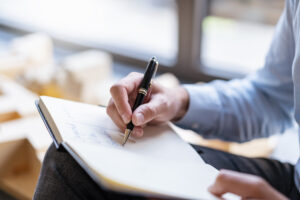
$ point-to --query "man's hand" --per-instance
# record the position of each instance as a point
(163, 104)
(244, 185)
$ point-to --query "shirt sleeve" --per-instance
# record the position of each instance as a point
(256, 106)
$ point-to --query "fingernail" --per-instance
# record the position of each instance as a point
(214, 189)
(139, 118)
(138, 133)
(125, 118)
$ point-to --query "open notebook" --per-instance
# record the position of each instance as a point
(160, 164)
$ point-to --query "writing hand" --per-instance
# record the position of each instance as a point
(161, 104)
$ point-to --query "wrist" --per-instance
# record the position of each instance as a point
(182, 103)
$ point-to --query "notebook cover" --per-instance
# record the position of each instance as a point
(69, 149)
(57, 144)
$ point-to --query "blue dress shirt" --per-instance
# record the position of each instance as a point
(259, 105)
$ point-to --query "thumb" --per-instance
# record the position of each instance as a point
(149, 111)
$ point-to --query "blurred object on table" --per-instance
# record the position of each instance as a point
(26, 52)
(167, 80)
(15, 101)
(12, 65)
(82, 74)
(19, 117)
(36, 47)
(19, 168)
(262, 147)
(42, 80)
(31, 128)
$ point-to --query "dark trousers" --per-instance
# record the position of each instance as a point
(62, 178)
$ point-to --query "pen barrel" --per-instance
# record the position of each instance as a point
(139, 101)
(149, 74)
(144, 86)
(130, 126)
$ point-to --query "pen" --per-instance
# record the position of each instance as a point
(142, 93)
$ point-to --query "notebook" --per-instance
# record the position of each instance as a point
(160, 164)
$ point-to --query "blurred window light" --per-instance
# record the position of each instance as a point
(139, 28)
(235, 37)
(237, 33)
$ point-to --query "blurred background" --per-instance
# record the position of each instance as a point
(76, 49)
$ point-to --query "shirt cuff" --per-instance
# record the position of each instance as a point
(204, 109)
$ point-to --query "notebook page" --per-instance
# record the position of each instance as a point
(171, 178)
(90, 124)
(160, 162)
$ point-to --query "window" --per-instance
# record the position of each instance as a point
(132, 27)
(197, 40)
(237, 33)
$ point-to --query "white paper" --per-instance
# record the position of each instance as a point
(160, 162)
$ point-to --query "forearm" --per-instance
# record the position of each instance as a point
(235, 111)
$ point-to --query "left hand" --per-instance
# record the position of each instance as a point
(244, 185)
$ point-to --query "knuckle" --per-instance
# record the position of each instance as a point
(120, 125)
(257, 185)
(164, 103)
(221, 177)
(115, 88)
(156, 85)
(150, 110)
(109, 110)
(110, 103)
(135, 74)
(259, 182)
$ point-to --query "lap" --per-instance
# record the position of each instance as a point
(279, 175)
(62, 178)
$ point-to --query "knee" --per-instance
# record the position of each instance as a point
(50, 152)
(59, 161)
(51, 156)
(53, 174)
(55, 160)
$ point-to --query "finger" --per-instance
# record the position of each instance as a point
(244, 185)
(132, 81)
(120, 92)
(137, 131)
(120, 98)
(132, 98)
(149, 111)
(112, 112)
(114, 115)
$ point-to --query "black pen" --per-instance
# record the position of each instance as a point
(142, 93)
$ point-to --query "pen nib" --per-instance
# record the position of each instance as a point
(126, 136)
